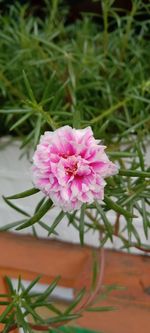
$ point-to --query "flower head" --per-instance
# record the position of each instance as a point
(70, 166)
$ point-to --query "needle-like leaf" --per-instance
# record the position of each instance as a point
(40, 213)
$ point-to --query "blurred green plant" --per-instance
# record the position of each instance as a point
(52, 74)
(78, 73)
(20, 302)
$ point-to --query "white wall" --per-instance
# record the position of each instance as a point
(15, 177)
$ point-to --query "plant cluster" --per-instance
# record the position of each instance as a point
(81, 74)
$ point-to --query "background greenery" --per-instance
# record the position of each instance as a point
(84, 73)
(98, 73)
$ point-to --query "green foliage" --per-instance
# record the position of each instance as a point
(75, 74)
(82, 74)
(24, 301)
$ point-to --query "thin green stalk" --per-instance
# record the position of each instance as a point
(128, 30)
(105, 8)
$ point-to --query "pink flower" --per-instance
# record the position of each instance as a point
(69, 166)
